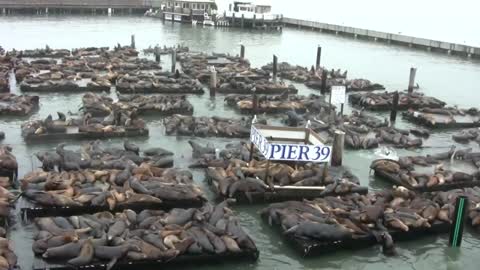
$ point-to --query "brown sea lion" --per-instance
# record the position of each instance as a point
(85, 256)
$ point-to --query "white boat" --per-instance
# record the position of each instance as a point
(260, 10)
(207, 20)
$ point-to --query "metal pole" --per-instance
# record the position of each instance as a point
(456, 230)
(213, 81)
(242, 51)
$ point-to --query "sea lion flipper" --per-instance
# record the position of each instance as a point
(249, 196)
(111, 263)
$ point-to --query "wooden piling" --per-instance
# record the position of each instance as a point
(242, 22)
(393, 112)
(337, 149)
(242, 51)
(213, 81)
(323, 87)
(319, 55)
(174, 60)
(275, 66)
(157, 54)
(411, 81)
(254, 20)
(254, 103)
(132, 42)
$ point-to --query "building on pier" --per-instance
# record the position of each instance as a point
(189, 11)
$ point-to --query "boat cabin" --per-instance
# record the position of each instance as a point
(258, 7)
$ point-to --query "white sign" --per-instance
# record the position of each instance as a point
(299, 152)
(177, 18)
(337, 95)
(259, 141)
(290, 152)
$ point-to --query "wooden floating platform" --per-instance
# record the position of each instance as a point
(394, 179)
(76, 135)
(203, 259)
(283, 193)
(68, 88)
(270, 91)
(269, 110)
(441, 121)
(312, 248)
(317, 248)
(31, 210)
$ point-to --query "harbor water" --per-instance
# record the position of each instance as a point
(452, 79)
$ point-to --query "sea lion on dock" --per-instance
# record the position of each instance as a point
(85, 256)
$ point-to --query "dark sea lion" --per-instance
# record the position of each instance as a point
(137, 186)
(179, 216)
(131, 147)
(388, 246)
(157, 151)
(114, 253)
(216, 241)
(63, 223)
(155, 240)
(235, 230)
(201, 238)
(199, 150)
(116, 229)
(320, 231)
(85, 256)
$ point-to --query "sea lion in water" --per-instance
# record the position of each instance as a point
(131, 147)
(388, 247)
(199, 150)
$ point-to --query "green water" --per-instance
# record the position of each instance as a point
(455, 80)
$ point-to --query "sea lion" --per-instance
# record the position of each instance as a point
(388, 247)
(199, 150)
(85, 256)
(131, 147)
(320, 231)
(66, 251)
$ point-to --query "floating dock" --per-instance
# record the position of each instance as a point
(202, 259)
(74, 134)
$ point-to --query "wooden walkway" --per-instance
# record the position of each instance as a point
(414, 42)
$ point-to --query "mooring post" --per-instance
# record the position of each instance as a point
(254, 20)
(275, 63)
(337, 148)
(325, 171)
(242, 21)
(242, 51)
(132, 42)
(174, 60)
(323, 87)
(319, 55)
(456, 229)
(393, 112)
(213, 81)
(411, 81)
(254, 101)
(157, 54)
(252, 146)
